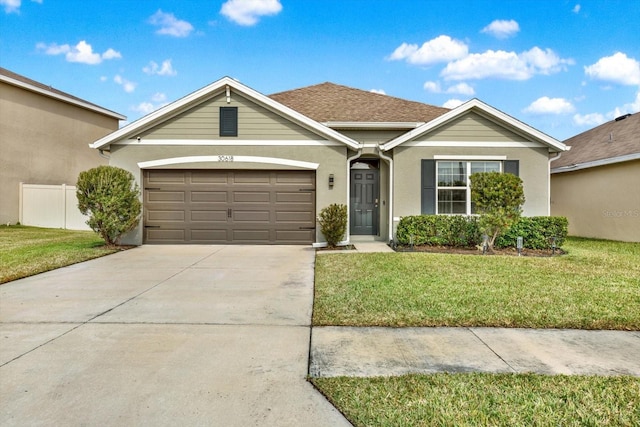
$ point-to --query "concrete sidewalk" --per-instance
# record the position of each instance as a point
(368, 352)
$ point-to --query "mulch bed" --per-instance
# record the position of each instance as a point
(476, 251)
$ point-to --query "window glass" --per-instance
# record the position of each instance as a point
(485, 167)
(452, 201)
(452, 174)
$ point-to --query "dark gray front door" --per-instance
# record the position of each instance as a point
(364, 201)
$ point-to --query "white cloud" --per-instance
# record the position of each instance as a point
(502, 29)
(576, 8)
(453, 103)
(127, 85)
(617, 68)
(441, 49)
(546, 105)
(170, 25)
(632, 107)
(505, 65)
(11, 6)
(158, 100)
(104, 78)
(593, 119)
(82, 52)
(247, 12)
(166, 69)
(460, 88)
(379, 91)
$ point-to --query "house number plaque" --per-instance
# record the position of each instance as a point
(225, 158)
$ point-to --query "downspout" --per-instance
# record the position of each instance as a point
(104, 156)
(391, 205)
(549, 182)
(349, 160)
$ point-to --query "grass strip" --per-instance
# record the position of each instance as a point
(485, 399)
(25, 251)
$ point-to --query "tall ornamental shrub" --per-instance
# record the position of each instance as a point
(111, 199)
(498, 198)
(333, 223)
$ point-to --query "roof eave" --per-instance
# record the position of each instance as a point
(158, 115)
(60, 97)
(553, 144)
(596, 163)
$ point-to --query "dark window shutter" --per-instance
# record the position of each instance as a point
(428, 182)
(228, 121)
(512, 167)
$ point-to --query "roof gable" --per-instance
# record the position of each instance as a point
(192, 100)
(330, 102)
(611, 142)
(514, 126)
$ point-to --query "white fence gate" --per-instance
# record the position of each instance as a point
(51, 206)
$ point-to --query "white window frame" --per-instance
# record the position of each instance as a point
(468, 161)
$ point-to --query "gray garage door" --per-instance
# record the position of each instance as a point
(222, 206)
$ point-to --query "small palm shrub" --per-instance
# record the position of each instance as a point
(111, 198)
(333, 223)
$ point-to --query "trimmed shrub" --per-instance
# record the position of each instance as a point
(536, 231)
(333, 223)
(498, 198)
(111, 198)
(464, 231)
(439, 230)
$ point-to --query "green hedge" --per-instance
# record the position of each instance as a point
(463, 231)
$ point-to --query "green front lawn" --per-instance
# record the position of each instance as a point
(485, 400)
(596, 285)
(25, 251)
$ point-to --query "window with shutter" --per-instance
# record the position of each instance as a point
(228, 121)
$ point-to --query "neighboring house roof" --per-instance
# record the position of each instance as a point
(341, 106)
(206, 92)
(612, 142)
(487, 110)
(23, 82)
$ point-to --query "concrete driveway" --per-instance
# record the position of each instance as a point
(163, 335)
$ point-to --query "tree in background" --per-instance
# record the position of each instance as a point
(333, 223)
(498, 198)
(111, 198)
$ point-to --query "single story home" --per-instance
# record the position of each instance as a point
(596, 185)
(227, 164)
(43, 136)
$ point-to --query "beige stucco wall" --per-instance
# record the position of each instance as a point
(533, 171)
(331, 159)
(43, 141)
(601, 202)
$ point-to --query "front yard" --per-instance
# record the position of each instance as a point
(596, 285)
(25, 251)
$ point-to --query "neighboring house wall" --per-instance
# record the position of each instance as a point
(44, 141)
(601, 202)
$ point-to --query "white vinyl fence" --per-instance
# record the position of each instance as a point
(51, 206)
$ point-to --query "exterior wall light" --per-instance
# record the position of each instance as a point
(330, 180)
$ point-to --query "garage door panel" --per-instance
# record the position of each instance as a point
(263, 217)
(218, 216)
(158, 215)
(209, 236)
(209, 196)
(166, 196)
(227, 206)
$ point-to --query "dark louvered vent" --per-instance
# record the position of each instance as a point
(228, 121)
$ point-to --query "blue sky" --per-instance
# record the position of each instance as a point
(560, 66)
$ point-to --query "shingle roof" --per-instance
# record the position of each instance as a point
(48, 90)
(330, 102)
(617, 138)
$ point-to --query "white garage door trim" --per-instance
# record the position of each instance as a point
(227, 159)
